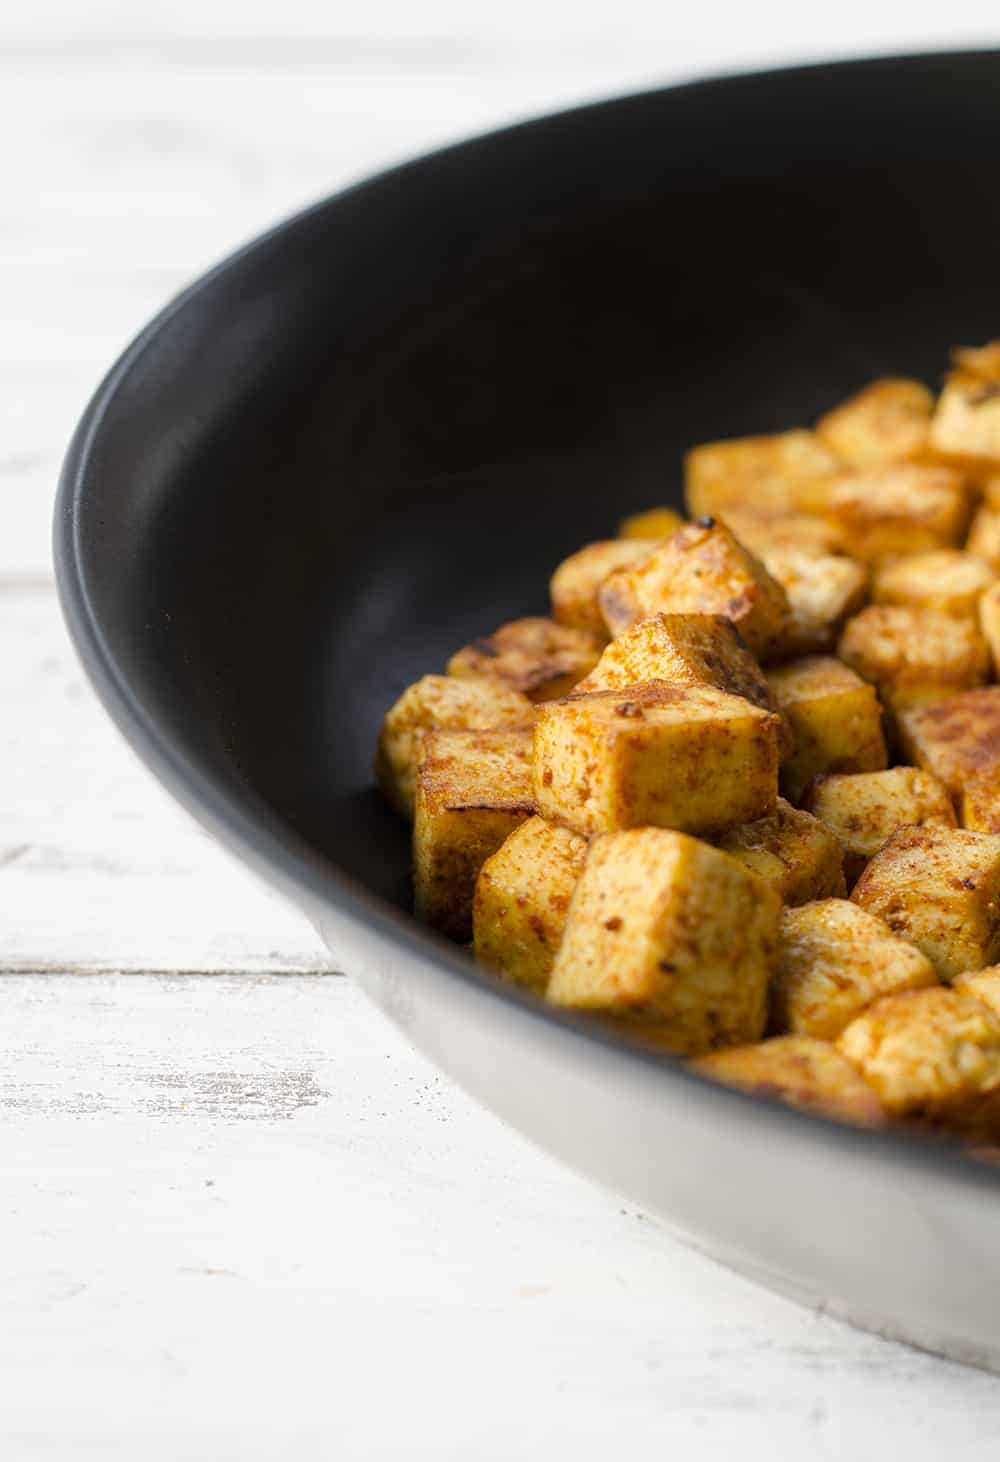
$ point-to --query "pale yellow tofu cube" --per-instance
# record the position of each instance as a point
(536, 656)
(946, 579)
(473, 790)
(800, 1071)
(956, 739)
(984, 535)
(823, 591)
(700, 570)
(439, 703)
(687, 757)
(792, 851)
(914, 656)
(940, 889)
(931, 1056)
(670, 937)
(984, 985)
(979, 801)
(653, 523)
(835, 718)
(761, 472)
(900, 509)
(888, 421)
(862, 809)
(574, 586)
(966, 424)
(989, 623)
(835, 960)
(522, 900)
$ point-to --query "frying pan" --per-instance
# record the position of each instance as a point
(368, 436)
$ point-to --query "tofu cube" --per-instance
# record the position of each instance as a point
(439, 703)
(801, 1072)
(575, 584)
(764, 533)
(931, 1056)
(671, 937)
(956, 739)
(979, 801)
(684, 649)
(888, 421)
(901, 509)
(522, 900)
(966, 424)
(863, 809)
(792, 851)
(679, 756)
(541, 659)
(835, 718)
(946, 579)
(761, 472)
(700, 570)
(989, 623)
(984, 535)
(940, 889)
(914, 656)
(653, 523)
(836, 959)
(473, 790)
(823, 591)
(984, 985)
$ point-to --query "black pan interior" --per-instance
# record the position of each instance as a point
(373, 434)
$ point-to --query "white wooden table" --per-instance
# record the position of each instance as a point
(240, 1218)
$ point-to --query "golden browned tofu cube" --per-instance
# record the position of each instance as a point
(669, 934)
(888, 421)
(940, 889)
(653, 523)
(522, 899)
(763, 533)
(792, 851)
(983, 984)
(931, 1056)
(835, 960)
(966, 424)
(803, 1073)
(989, 622)
(979, 801)
(862, 809)
(679, 756)
(700, 570)
(914, 656)
(984, 535)
(902, 509)
(957, 738)
(439, 703)
(761, 473)
(473, 790)
(835, 718)
(574, 586)
(541, 659)
(823, 590)
(946, 579)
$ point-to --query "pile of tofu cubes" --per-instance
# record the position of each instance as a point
(739, 796)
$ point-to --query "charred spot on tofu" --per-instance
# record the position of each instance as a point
(536, 656)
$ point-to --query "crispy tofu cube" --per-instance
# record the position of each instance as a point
(946, 579)
(574, 586)
(522, 899)
(931, 1056)
(956, 739)
(541, 659)
(761, 473)
(680, 756)
(473, 790)
(764, 533)
(979, 801)
(792, 851)
(940, 889)
(653, 523)
(800, 1071)
(862, 809)
(984, 535)
(700, 570)
(835, 718)
(989, 622)
(835, 960)
(823, 591)
(914, 656)
(439, 703)
(671, 936)
(984, 985)
(966, 424)
(901, 509)
(888, 421)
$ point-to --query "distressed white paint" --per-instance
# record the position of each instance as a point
(239, 1217)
